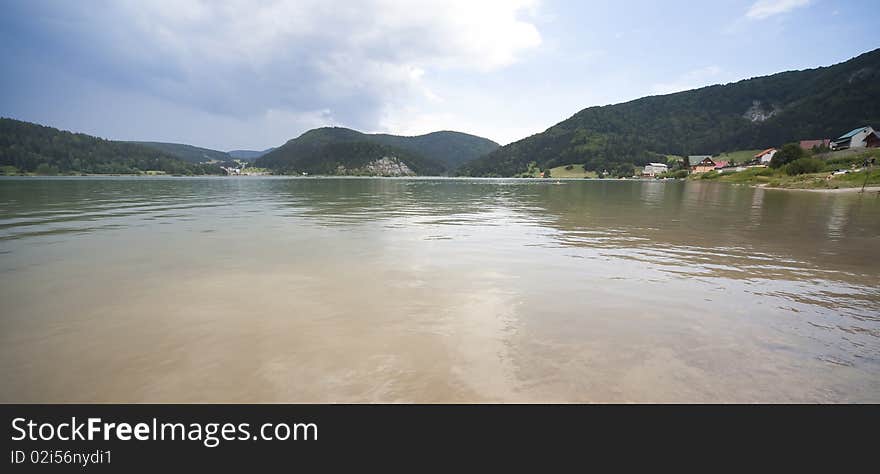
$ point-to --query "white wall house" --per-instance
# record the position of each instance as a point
(853, 139)
(653, 169)
(765, 156)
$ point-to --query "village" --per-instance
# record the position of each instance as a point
(855, 141)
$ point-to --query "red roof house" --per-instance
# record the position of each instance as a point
(810, 144)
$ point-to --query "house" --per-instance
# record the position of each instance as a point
(701, 163)
(764, 157)
(810, 144)
(721, 164)
(873, 140)
(653, 169)
(854, 139)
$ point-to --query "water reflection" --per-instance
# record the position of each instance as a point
(436, 290)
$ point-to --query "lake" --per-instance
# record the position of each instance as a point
(435, 290)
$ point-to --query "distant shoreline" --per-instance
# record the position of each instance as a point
(868, 189)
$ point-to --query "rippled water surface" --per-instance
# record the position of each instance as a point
(435, 290)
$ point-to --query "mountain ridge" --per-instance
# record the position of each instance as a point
(751, 113)
(248, 155)
(33, 148)
(186, 152)
(431, 153)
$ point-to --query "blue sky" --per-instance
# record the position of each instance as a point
(253, 74)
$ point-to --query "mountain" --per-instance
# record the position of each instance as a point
(28, 147)
(194, 154)
(333, 150)
(248, 155)
(751, 114)
(323, 150)
(188, 153)
(450, 148)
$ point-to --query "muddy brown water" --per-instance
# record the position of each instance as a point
(435, 290)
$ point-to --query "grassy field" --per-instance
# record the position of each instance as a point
(576, 171)
(740, 156)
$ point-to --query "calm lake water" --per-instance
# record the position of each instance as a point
(435, 290)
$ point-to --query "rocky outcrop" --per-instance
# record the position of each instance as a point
(385, 166)
(388, 166)
(758, 113)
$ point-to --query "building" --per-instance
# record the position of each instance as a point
(720, 164)
(653, 169)
(701, 163)
(873, 140)
(810, 144)
(854, 139)
(764, 157)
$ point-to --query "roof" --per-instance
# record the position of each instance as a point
(658, 164)
(694, 159)
(720, 164)
(765, 152)
(852, 133)
(807, 144)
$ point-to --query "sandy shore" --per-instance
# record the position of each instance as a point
(868, 189)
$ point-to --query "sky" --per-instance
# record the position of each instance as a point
(244, 74)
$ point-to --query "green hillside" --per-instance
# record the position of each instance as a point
(571, 171)
(750, 114)
(248, 155)
(450, 148)
(332, 151)
(433, 153)
(30, 148)
(188, 153)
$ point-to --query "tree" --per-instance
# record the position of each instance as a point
(789, 152)
(804, 165)
(46, 170)
(547, 173)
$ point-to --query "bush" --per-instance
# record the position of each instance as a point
(680, 174)
(46, 170)
(803, 166)
(710, 175)
(623, 170)
(786, 155)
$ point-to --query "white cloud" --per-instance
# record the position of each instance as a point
(762, 9)
(347, 60)
(689, 80)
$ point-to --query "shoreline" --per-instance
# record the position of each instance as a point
(868, 189)
(843, 190)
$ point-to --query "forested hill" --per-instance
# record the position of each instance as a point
(447, 149)
(450, 148)
(188, 153)
(750, 114)
(28, 147)
(333, 150)
(248, 155)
